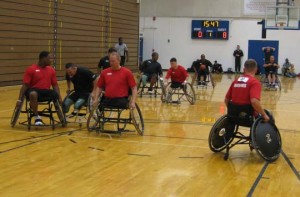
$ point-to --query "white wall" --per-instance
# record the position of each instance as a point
(178, 30)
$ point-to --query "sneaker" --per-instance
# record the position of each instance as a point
(276, 86)
(38, 122)
(150, 90)
(199, 83)
(75, 112)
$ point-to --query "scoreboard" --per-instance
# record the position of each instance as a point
(210, 29)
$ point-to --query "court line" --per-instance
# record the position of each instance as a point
(135, 154)
(258, 178)
(291, 165)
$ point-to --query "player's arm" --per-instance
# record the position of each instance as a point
(258, 108)
(133, 97)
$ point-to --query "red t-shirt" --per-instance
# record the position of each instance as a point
(40, 78)
(116, 82)
(177, 75)
(243, 89)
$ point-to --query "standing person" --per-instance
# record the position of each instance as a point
(177, 73)
(83, 81)
(150, 70)
(117, 81)
(123, 51)
(104, 61)
(268, 52)
(246, 90)
(38, 79)
(238, 54)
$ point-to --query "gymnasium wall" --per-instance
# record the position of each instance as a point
(78, 31)
(171, 37)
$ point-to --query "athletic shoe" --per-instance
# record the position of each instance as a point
(38, 122)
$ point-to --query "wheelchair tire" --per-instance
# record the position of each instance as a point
(137, 119)
(16, 114)
(190, 93)
(93, 121)
(60, 114)
(266, 139)
(165, 90)
(216, 136)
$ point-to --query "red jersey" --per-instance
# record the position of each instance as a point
(243, 89)
(177, 75)
(40, 77)
(116, 82)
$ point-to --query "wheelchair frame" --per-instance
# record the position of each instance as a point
(223, 133)
(140, 87)
(265, 83)
(102, 114)
(209, 78)
(187, 91)
(45, 112)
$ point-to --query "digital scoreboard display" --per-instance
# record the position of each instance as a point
(210, 29)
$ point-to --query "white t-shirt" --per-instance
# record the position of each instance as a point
(121, 48)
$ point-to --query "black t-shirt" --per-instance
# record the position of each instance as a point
(197, 63)
(238, 54)
(104, 63)
(272, 68)
(82, 80)
(151, 67)
(268, 55)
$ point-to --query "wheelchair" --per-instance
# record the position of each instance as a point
(264, 136)
(49, 108)
(265, 83)
(141, 88)
(182, 92)
(82, 115)
(208, 82)
(120, 116)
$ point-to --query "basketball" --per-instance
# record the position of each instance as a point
(202, 67)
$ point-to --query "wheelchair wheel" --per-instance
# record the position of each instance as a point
(93, 121)
(278, 82)
(137, 119)
(221, 134)
(212, 80)
(189, 93)
(16, 114)
(266, 139)
(60, 114)
(165, 90)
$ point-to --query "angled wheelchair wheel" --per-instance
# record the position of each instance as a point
(93, 121)
(137, 119)
(60, 114)
(16, 114)
(165, 90)
(266, 139)
(189, 93)
(221, 134)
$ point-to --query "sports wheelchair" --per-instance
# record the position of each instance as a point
(49, 108)
(209, 81)
(266, 85)
(264, 136)
(82, 115)
(119, 115)
(181, 92)
(141, 88)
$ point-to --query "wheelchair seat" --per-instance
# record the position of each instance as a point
(115, 111)
(181, 92)
(264, 136)
(141, 88)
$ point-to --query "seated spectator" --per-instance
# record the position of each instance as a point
(217, 68)
(177, 73)
(83, 81)
(291, 71)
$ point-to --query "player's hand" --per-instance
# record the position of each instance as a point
(184, 83)
(68, 91)
(60, 101)
(18, 104)
(132, 105)
(266, 118)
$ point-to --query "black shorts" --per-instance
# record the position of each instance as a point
(122, 103)
(43, 94)
(150, 76)
(175, 84)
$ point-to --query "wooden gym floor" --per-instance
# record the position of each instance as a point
(171, 159)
